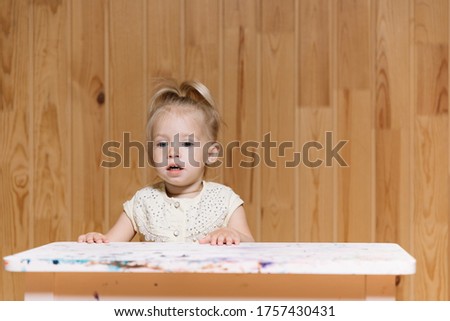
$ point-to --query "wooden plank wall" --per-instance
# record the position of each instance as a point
(75, 74)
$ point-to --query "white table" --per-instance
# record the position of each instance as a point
(138, 271)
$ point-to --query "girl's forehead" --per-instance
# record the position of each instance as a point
(180, 112)
(192, 119)
(184, 122)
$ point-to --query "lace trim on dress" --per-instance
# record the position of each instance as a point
(151, 213)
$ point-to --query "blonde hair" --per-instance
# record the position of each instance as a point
(186, 97)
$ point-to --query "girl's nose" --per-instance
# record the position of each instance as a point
(173, 152)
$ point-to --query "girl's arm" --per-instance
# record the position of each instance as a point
(236, 231)
(238, 222)
(122, 231)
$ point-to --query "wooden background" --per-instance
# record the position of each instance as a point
(75, 74)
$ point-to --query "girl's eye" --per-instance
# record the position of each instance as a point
(187, 144)
(162, 144)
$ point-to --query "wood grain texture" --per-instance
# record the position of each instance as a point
(354, 122)
(52, 175)
(431, 190)
(277, 119)
(126, 96)
(353, 40)
(432, 66)
(314, 53)
(391, 25)
(15, 130)
(164, 41)
(76, 74)
(355, 183)
(240, 112)
(315, 117)
(202, 49)
(316, 221)
(89, 116)
(431, 208)
(430, 21)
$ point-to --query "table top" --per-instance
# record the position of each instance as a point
(269, 258)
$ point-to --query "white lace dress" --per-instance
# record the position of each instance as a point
(160, 218)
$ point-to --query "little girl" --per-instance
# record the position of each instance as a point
(182, 129)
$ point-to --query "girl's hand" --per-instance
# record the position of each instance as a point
(224, 235)
(122, 231)
(93, 237)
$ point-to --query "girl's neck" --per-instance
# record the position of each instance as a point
(184, 191)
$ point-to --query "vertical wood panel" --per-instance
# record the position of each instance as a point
(431, 219)
(354, 122)
(447, 295)
(315, 118)
(240, 111)
(314, 53)
(353, 44)
(52, 123)
(430, 21)
(127, 106)
(431, 209)
(202, 62)
(15, 130)
(202, 43)
(393, 131)
(278, 110)
(164, 40)
(431, 65)
(88, 116)
(316, 219)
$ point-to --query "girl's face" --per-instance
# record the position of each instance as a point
(178, 149)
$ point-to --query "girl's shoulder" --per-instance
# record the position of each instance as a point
(217, 188)
(151, 190)
(212, 185)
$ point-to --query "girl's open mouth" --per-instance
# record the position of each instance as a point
(174, 167)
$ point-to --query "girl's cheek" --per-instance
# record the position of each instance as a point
(157, 157)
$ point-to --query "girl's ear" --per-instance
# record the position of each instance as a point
(213, 153)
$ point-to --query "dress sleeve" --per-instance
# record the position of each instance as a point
(234, 202)
(128, 208)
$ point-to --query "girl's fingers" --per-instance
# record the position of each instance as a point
(221, 238)
(205, 240)
(93, 238)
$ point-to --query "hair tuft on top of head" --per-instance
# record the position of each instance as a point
(197, 92)
(187, 94)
